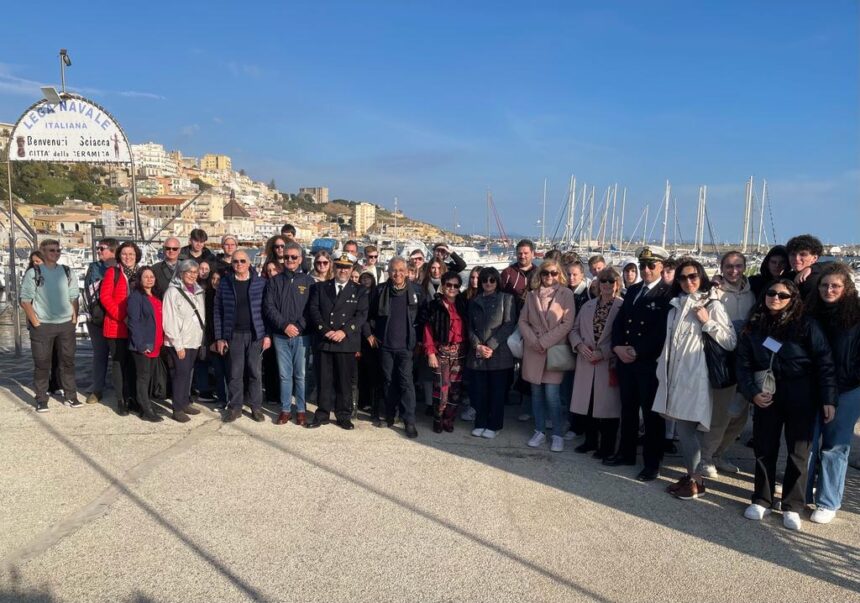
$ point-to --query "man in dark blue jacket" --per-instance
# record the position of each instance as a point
(105, 251)
(397, 312)
(284, 309)
(240, 333)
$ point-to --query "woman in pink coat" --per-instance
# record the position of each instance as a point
(546, 319)
(595, 390)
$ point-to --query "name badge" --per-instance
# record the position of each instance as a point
(772, 344)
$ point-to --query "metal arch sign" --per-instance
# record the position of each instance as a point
(76, 130)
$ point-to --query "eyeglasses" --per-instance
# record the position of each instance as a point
(171, 248)
(240, 261)
(102, 247)
(278, 246)
(549, 273)
(607, 281)
(693, 276)
(648, 265)
(491, 279)
(321, 263)
(780, 294)
(827, 286)
(293, 257)
(54, 250)
(452, 286)
(372, 257)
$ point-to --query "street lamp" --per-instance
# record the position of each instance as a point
(51, 95)
(65, 61)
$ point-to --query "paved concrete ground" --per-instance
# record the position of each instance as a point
(98, 507)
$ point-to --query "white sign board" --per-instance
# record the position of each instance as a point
(75, 131)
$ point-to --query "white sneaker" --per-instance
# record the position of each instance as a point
(489, 434)
(557, 444)
(477, 432)
(569, 435)
(537, 439)
(524, 417)
(823, 515)
(756, 512)
(708, 470)
(791, 520)
(468, 414)
(725, 466)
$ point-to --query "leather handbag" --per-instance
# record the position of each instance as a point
(765, 380)
(515, 343)
(560, 358)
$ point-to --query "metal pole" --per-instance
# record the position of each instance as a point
(13, 275)
(138, 231)
(62, 73)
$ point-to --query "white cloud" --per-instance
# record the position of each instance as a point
(189, 130)
(246, 69)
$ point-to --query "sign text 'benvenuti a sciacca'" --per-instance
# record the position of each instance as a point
(75, 130)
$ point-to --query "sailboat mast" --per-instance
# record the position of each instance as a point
(621, 227)
(591, 217)
(666, 212)
(614, 207)
(747, 214)
(645, 230)
(543, 216)
(488, 218)
(761, 214)
(704, 217)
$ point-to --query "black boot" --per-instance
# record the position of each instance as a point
(122, 407)
(448, 416)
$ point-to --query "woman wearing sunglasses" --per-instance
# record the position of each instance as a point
(275, 249)
(492, 319)
(596, 400)
(323, 269)
(779, 337)
(837, 309)
(445, 345)
(684, 391)
(546, 320)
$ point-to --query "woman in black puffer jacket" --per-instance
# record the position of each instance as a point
(774, 265)
(779, 335)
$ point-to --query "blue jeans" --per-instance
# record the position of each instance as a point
(831, 443)
(291, 353)
(100, 357)
(547, 395)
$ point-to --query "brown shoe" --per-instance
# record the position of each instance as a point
(190, 410)
(258, 415)
(283, 418)
(692, 489)
(94, 398)
(232, 414)
(301, 420)
(672, 488)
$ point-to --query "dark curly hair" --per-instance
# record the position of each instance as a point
(762, 321)
(704, 281)
(805, 242)
(138, 254)
(848, 307)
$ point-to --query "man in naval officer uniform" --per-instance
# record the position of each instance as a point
(337, 310)
(638, 334)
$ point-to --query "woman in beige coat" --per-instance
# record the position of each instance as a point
(546, 319)
(595, 389)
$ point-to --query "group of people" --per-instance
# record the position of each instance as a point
(648, 351)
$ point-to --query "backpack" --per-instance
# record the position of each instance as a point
(40, 280)
(91, 297)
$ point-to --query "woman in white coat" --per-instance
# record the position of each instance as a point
(184, 311)
(684, 392)
(596, 399)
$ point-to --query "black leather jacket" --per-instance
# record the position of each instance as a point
(845, 345)
(804, 354)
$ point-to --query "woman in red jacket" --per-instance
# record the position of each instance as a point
(113, 296)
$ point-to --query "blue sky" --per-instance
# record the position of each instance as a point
(436, 101)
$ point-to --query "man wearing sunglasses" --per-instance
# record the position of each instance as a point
(49, 298)
(337, 311)
(105, 252)
(166, 268)
(638, 334)
(285, 311)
